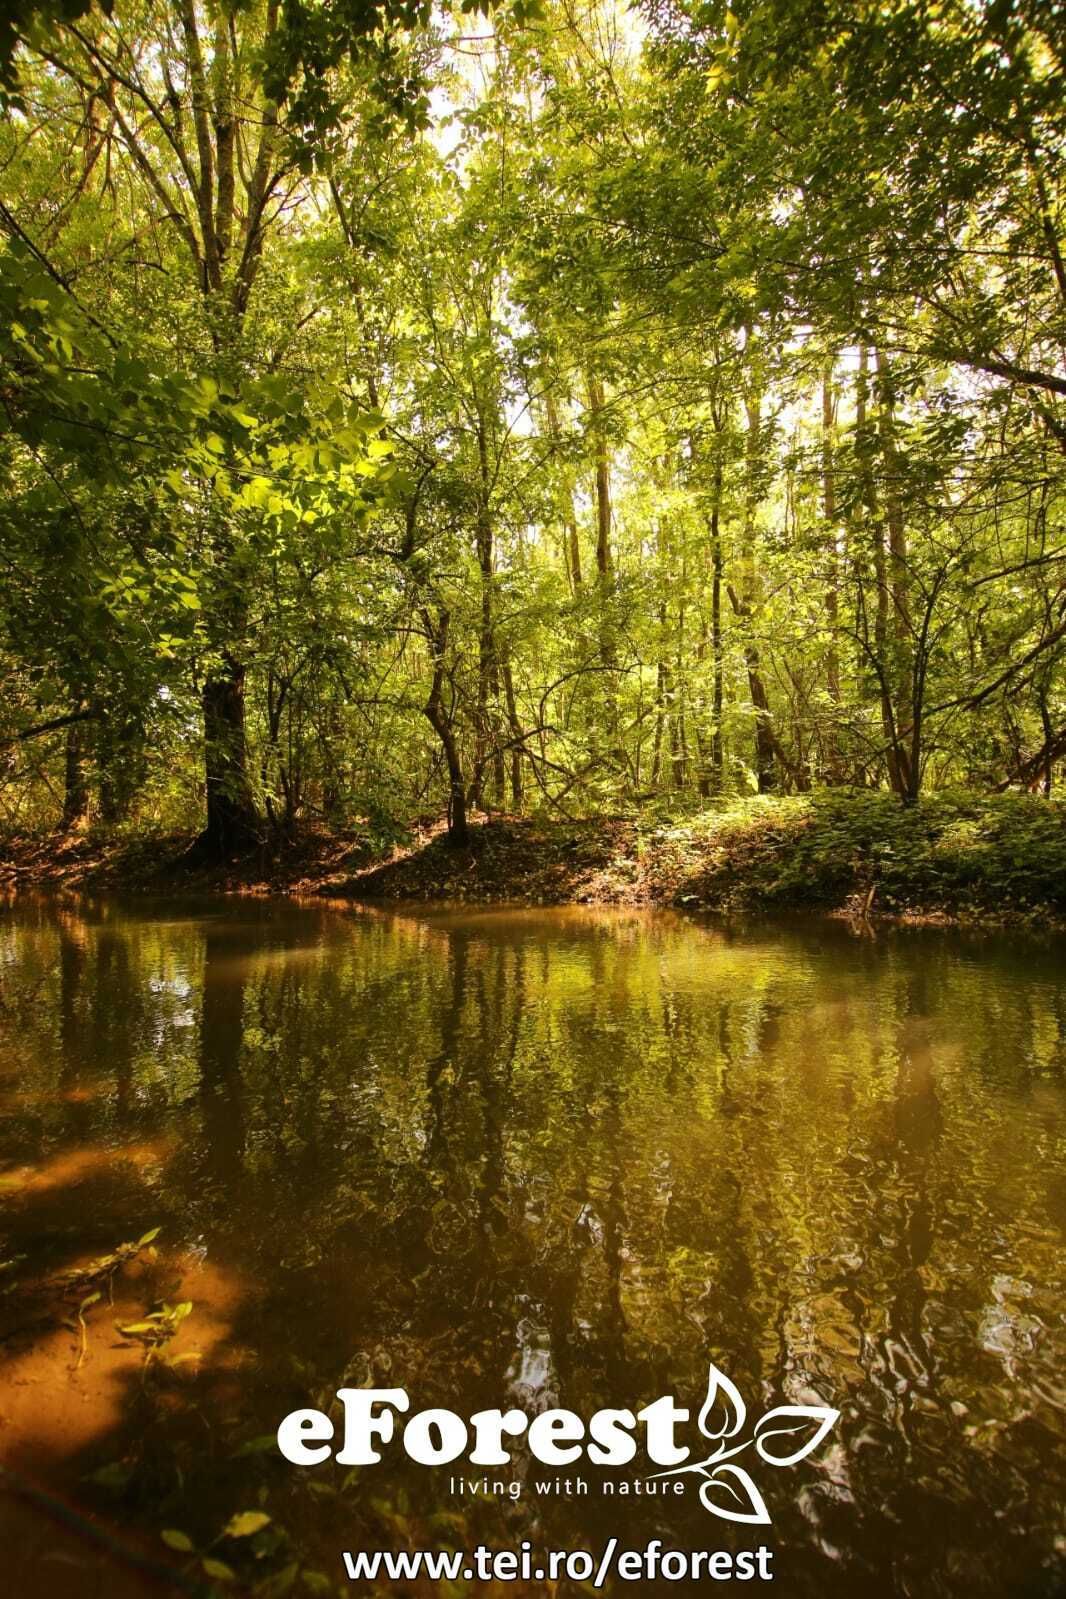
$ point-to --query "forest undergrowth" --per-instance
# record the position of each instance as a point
(948, 856)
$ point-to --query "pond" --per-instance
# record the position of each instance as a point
(536, 1159)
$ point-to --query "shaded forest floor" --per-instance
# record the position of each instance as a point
(988, 857)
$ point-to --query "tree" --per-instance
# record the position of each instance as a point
(412, 416)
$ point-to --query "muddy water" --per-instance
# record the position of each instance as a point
(533, 1159)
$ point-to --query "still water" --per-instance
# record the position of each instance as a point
(539, 1158)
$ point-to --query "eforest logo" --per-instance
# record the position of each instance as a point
(437, 1437)
(782, 1437)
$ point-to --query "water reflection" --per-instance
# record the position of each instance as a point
(554, 1158)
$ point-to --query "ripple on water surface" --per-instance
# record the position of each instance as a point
(539, 1158)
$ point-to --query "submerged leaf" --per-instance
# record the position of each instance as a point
(245, 1523)
(114, 1475)
(257, 1446)
(219, 1570)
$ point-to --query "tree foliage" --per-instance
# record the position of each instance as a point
(553, 409)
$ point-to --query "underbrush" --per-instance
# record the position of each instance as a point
(988, 856)
(949, 853)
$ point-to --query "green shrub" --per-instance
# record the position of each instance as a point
(948, 852)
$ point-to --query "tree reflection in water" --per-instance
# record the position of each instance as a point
(553, 1157)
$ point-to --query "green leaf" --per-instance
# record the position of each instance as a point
(282, 1582)
(219, 1570)
(114, 1475)
(316, 1582)
(257, 1446)
(246, 1523)
(177, 1540)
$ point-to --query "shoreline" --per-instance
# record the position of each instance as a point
(985, 861)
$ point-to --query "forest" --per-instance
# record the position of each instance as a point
(605, 461)
(555, 409)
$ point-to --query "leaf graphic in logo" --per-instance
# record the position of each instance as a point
(797, 1428)
(724, 1411)
(729, 1492)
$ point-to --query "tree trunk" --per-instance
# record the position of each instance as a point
(458, 830)
(120, 763)
(765, 772)
(877, 652)
(488, 695)
(662, 695)
(605, 569)
(832, 588)
(571, 542)
(679, 739)
(604, 562)
(75, 782)
(232, 823)
(1049, 741)
(900, 645)
(712, 770)
(661, 686)
(717, 662)
(516, 731)
(437, 634)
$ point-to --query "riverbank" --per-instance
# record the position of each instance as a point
(950, 857)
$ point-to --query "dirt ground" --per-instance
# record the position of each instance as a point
(524, 861)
